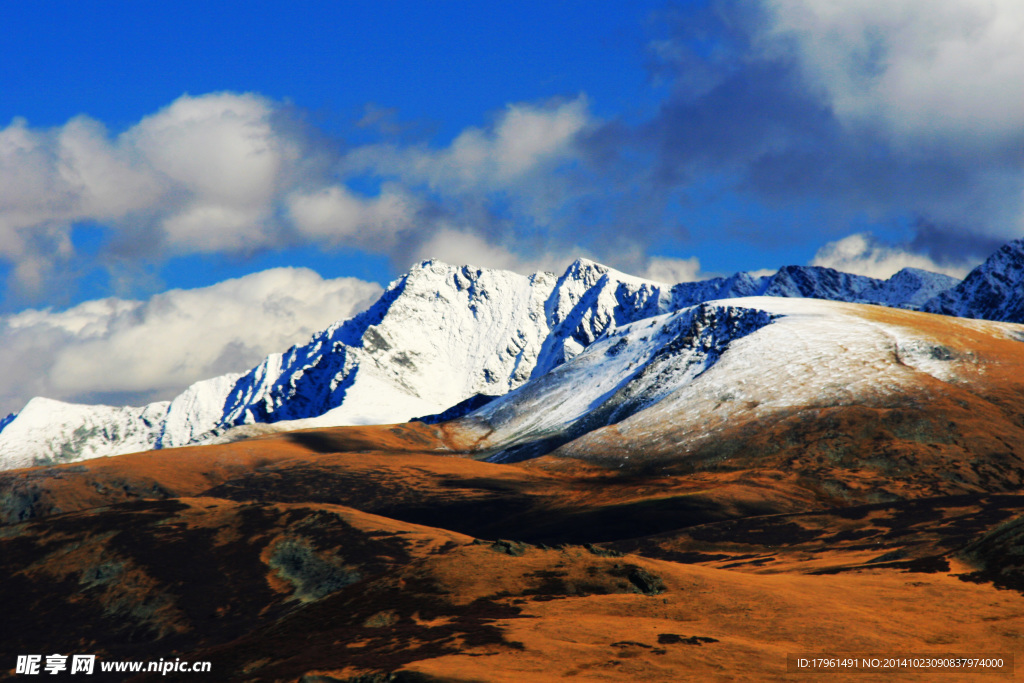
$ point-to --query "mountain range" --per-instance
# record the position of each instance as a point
(445, 340)
(606, 479)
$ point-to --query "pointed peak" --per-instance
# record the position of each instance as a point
(582, 265)
(584, 271)
(908, 271)
(429, 270)
(582, 261)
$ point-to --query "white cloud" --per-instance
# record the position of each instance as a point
(460, 247)
(335, 215)
(204, 174)
(138, 351)
(448, 195)
(674, 270)
(222, 154)
(861, 255)
(229, 172)
(923, 69)
(527, 137)
(524, 139)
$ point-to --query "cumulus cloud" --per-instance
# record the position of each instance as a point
(863, 255)
(498, 196)
(205, 174)
(123, 351)
(337, 216)
(923, 69)
(523, 140)
(236, 173)
(675, 270)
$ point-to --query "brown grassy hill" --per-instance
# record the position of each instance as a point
(278, 560)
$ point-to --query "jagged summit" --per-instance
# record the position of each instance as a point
(992, 291)
(916, 286)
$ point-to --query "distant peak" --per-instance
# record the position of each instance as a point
(910, 271)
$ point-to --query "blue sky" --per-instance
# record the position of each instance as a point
(432, 69)
(147, 147)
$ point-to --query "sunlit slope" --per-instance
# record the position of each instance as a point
(784, 383)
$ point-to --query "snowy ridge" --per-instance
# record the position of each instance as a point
(908, 288)
(438, 336)
(48, 431)
(396, 360)
(194, 411)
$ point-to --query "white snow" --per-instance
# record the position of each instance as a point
(48, 431)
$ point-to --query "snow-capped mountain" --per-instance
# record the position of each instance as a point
(440, 336)
(437, 336)
(46, 431)
(992, 291)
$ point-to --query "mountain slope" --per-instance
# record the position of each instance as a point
(992, 291)
(772, 381)
(357, 553)
(627, 370)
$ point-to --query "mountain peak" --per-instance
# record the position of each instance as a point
(586, 271)
(992, 291)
